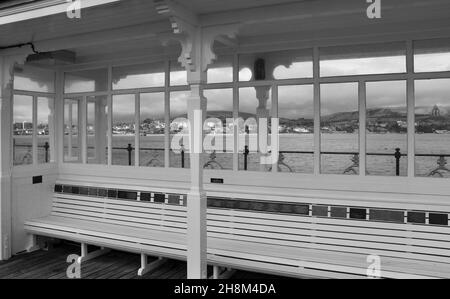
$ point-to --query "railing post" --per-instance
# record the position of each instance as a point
(13, 151)
(246, 151)
(397, 156)
(182, 158)
(129, 149)
(46, 147)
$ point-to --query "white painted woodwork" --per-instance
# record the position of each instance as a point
(86, 255)
(362, 128)
(411, 106)
(196, 234)
(33, 244)
(216, 272)
(7, 64)
(38, 10)
(292, 245)
(317, 126)
(30, 201)
(149, 267)
(237, 239)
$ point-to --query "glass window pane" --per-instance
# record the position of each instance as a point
(34, 79)
(86, 81)
(44, 129)
(178, 75)
(97, 130)
(123, 129)
(72, 138)
(432, 55)
(363, 60)
(179, 137)
(339, 128)
(221, 70)
(386, 127)
(296, 115)
(432, 127)
(254, 103)
(139, 76)
(219, 109)
(23, 130)
(152, 129)
(276, 65)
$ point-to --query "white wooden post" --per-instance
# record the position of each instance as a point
(262, 112)
(101, 129)
(196, 55)
(7, 64)
(196, 199)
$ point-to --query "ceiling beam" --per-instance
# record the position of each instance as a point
(303, 10)
(365, 34)
(151, 30)
(225, 40)
(44, 8)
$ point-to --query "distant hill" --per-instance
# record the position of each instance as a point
(378, 115)
(222, 115)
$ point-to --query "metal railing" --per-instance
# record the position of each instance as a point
(28, 154)
(354, 166)
(213, 163)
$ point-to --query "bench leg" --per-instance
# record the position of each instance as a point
(85, 255)
(34, 246)
(227, 274)
(217, 274)
(146, 267)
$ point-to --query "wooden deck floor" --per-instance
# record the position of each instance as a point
(114, 265)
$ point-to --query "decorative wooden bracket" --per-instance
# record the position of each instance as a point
(8, 64)
(184, 24)
(210, 34)
(196, 41)
(181, 18)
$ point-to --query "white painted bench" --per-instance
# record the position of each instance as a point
(278, 243)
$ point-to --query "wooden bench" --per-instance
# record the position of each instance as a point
(271, 237)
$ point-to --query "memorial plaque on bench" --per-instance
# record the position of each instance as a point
(129, 195)
(438, 219)
(416, 217)
(159, 197)
(145, 196)
(112, 193)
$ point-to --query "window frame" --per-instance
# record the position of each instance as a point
(34, 145)
(316, 81)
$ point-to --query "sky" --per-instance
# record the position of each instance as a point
(294, 101)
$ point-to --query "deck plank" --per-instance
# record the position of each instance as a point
(113, 265)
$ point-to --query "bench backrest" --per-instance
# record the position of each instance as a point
(149, 210)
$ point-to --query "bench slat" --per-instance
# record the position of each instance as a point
(338, 248)
(310, 225)
(341, 233)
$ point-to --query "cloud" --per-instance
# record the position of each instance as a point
(339, 97)
(363, 66)
(388, 94)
